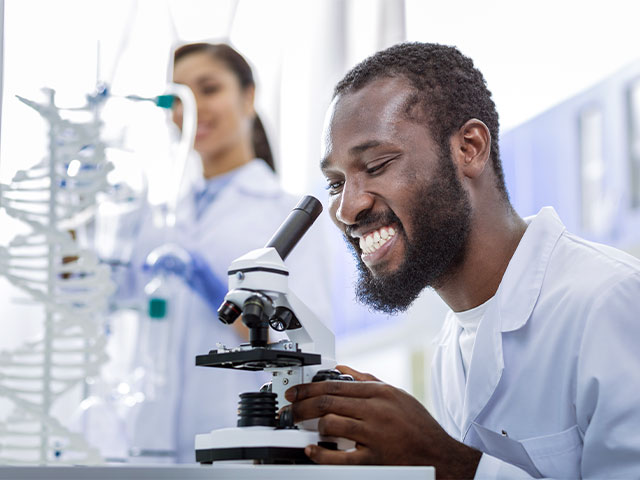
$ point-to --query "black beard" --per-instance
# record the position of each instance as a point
(441, 222)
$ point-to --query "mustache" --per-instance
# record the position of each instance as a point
(367, 219)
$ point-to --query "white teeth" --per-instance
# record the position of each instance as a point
(373, 241)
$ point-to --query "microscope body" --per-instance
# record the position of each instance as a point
(259, 293)
(259, 280)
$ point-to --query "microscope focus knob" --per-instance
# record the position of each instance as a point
(331, 374)
(257, 409)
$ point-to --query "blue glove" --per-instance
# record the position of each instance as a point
(191, 267)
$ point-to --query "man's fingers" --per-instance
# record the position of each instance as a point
(359, 456)
(319, 406)
(330, 387)
(359, 376)
(333, 425)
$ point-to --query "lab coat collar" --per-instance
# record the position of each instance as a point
(523, 278)
(254, 178)
(516, 296)
(543, 231)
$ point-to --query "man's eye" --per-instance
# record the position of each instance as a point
(334, 187)
(378, 167)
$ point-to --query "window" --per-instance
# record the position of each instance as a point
(633, 105)
(592, 170)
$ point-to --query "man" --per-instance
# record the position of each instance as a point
(537, 368)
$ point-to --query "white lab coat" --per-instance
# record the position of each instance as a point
(554, 381)
(242, 217)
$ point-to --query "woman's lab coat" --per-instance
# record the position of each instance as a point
(243, 216)
(553, 385)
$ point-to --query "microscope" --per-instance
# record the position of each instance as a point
(260, 295)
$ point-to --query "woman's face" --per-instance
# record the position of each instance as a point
(225, 110)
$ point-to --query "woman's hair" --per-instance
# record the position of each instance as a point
(239, 66)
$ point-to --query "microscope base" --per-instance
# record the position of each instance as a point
(259, 455)
(265, 445)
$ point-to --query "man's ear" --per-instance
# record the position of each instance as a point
(471, 147)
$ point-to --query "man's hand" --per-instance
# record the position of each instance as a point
(389, 426)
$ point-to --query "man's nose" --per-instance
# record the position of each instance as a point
(353, 201)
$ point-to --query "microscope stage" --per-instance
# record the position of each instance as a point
(257, 359)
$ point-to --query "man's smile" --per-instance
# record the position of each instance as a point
(374, 236)
(374, 255)
(372, 241)
(375, 244)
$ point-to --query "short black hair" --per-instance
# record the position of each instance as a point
(449, 90)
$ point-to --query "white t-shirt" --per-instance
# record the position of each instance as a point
(469, 321)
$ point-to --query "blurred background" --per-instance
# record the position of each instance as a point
(565, 78)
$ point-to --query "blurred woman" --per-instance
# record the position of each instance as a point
(235, 207)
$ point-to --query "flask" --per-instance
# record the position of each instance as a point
(155, 333)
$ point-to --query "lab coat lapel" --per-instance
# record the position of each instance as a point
(485, 368)
(453, 388)
(512, 306)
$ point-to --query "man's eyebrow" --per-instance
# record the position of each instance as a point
(353, 151)
(324, 164)
(363, 147)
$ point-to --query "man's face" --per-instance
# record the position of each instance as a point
(394, 194)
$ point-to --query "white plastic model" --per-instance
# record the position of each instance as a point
(55, 198)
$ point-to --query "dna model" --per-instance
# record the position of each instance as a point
(55, 199)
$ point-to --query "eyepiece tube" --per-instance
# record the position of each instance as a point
(295, 225)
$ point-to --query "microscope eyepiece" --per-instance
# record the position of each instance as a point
(295, 225)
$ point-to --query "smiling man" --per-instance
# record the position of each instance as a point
(536, 373)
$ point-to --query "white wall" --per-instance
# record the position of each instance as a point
(533, 54)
